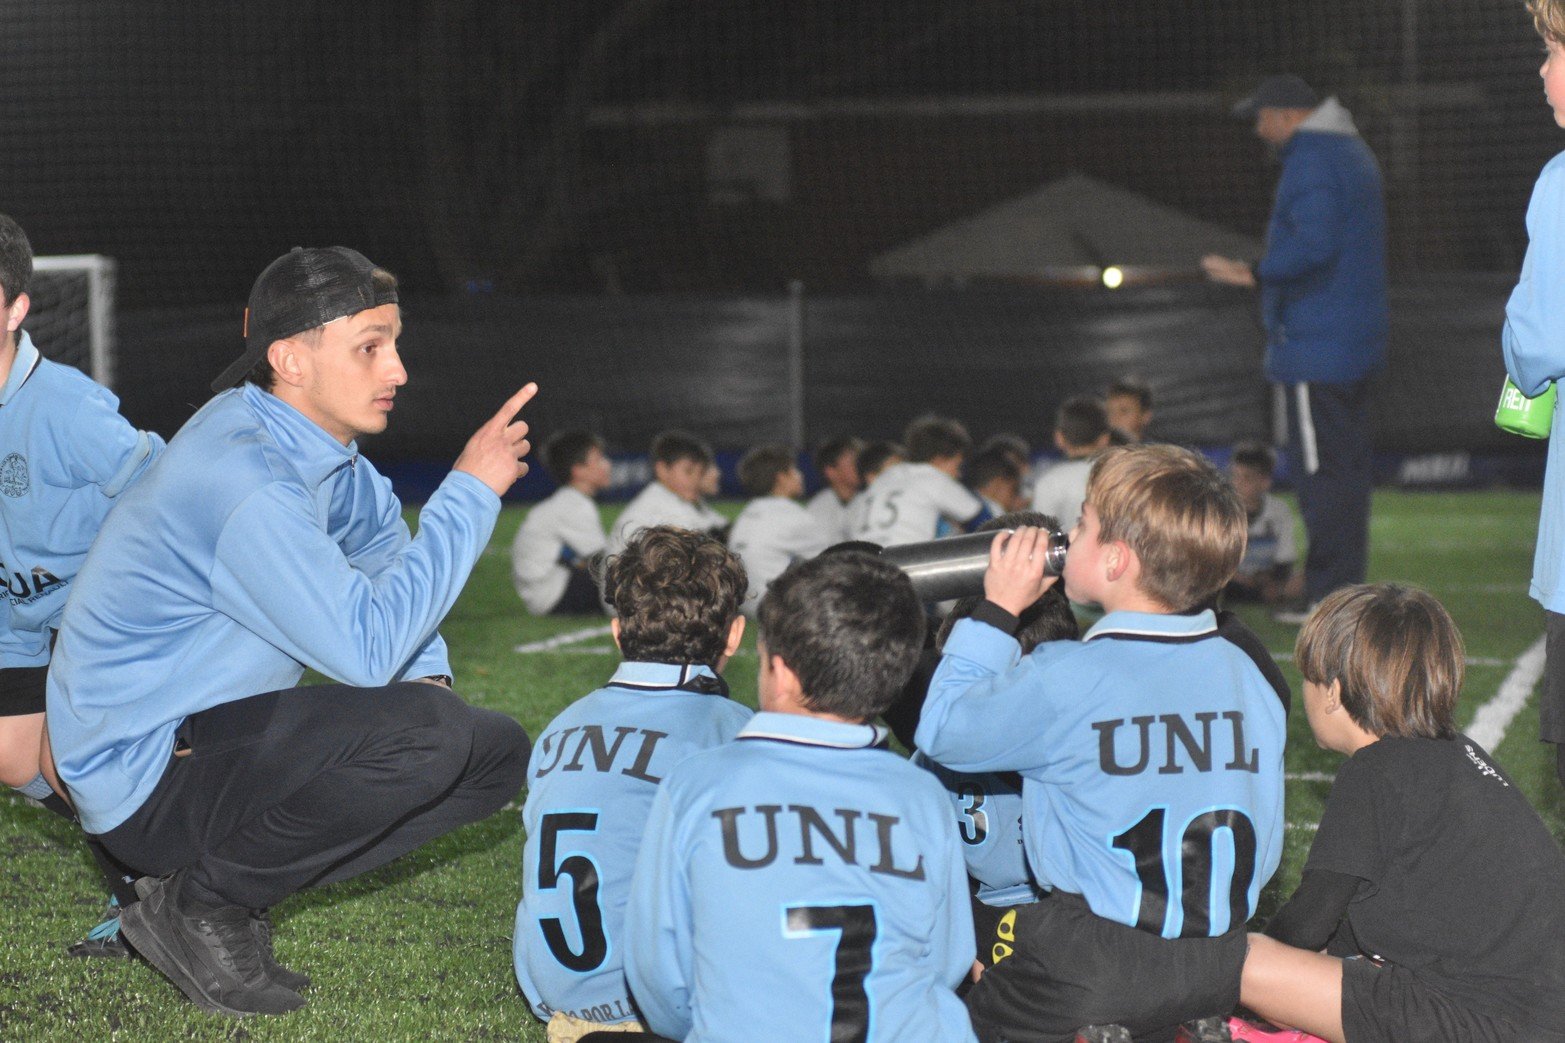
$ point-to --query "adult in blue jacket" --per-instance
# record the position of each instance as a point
(259, 544)
(1323, 299)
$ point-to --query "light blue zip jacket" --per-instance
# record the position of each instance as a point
(257, 546)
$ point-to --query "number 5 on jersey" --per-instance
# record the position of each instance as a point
(583, 873)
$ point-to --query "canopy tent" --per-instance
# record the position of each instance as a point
(1067, 231)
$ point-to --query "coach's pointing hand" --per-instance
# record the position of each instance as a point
(1015, 579)
(494, 454)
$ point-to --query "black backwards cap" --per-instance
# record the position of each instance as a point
(303, 289)
(1278, 92)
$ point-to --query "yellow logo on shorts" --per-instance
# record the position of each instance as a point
(1006, 932)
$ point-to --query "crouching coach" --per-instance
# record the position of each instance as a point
(260, 544)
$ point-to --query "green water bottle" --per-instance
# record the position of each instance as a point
(1520, 415)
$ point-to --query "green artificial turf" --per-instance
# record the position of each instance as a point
(421, 949)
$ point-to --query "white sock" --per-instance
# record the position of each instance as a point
(37, 789)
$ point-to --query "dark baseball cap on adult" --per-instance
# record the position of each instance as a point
(1278, 92)
(305, 288)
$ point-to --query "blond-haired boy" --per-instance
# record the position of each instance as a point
(1535, 358)
(1150, 754)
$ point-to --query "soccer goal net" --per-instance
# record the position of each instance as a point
(72, 315)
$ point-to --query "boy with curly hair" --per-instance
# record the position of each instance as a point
(596, 767)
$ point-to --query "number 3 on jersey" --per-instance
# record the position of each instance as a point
(584, 892)
(854, 961)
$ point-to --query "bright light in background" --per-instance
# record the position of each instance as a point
(1113, 277)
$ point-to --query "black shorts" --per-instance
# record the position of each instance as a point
(1072, 968)
(994, 927)
(1551, 701)
(1387, 1004)
(581, 597)
(22, 690)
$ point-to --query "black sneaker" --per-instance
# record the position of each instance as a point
(212, 956)
(261, 924)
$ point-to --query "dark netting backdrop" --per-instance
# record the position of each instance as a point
(770, 218)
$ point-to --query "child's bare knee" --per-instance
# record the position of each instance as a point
(20, 739)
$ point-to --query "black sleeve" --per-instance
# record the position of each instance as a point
(1360, 822)
(1232, 629)
(1311, 916)
(987, 611)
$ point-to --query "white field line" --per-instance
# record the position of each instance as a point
(1310, 776)
(1495, 716)
(568, 638)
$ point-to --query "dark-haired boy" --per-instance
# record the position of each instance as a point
(773, 531)
(873, 460)
(1150, 754)
(263, 542)
(804, 882)
(1081, 431)
(557, 539)
(680, 463)
(676, 595)
(838, 462)
(66, 454)
(997, 479)
(1128, 404)
(922, 499)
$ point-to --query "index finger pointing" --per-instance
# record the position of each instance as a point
(514, 404)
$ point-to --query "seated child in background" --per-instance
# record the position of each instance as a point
(1266, 574)
(552, 549)
(596, 766)
(1151, 755)
(837, 460)
(1081, 431)
(995, 477)
(1128, 405)
(873, 460)
(921, 499)
(989, 804)
(803, 882)
(774, 530)
(1428, 863)
(679, 468)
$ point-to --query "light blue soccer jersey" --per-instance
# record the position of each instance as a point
(591, 780)
(988, 808)
(65, 456)
(800, 883)
(1151, 757)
